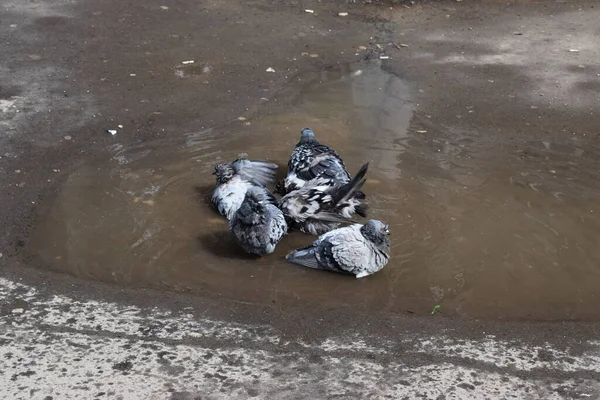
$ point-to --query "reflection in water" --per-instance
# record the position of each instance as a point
(479, 236)
(381, 103)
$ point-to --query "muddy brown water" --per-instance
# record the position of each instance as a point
(479, 236)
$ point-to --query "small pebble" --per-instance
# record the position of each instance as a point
(120, 126)
(112, 132)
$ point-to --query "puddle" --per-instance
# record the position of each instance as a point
(480, 237)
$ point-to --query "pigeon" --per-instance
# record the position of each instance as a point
(311, 160)
(258, 225)
(234, 180)
(323, 204)
(357, 249)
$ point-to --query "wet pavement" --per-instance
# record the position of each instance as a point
(480, 125)
(483, 239)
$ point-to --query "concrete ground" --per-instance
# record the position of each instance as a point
(72, 68)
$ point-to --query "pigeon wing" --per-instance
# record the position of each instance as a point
(260, 172)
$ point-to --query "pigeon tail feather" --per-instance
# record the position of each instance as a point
(352, 188)
(304, 256)
(362, 210)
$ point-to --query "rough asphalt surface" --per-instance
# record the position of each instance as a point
(70, 69)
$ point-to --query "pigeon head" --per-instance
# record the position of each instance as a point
(307, 135)
(377, 232)
(224, 172)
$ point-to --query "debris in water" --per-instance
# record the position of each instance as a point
(164, 7)
(242, 118)
(574, 50)
(270, 69)
(188, 62)
(384, 57)
(120, 126)
(357, 73)
(436, 308)
(247, 123)
(362, 47)
(304, 53)
(314, 55)
(112, 131)
(309, 11)
(68, 137)
(343, 14)
(422, 131)
(131, 74)
(18, 311)
(403, 45)
(148, 202)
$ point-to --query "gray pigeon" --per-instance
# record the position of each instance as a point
(258, 225)
(311, 160)
(359, 250)
(323, 204)
(233, 180)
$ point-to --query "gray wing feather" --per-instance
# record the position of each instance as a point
(260, 172)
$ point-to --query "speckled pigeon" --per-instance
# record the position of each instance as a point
(359, 250)
(311, 160)
(258, 225)
(233, 180)
(323, 204)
